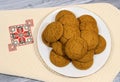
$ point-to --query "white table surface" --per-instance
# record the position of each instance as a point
(21, 4)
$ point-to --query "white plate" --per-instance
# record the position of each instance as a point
(70, 70)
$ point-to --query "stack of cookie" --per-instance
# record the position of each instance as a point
(73, 40)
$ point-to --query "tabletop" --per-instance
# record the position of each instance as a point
(22, 4)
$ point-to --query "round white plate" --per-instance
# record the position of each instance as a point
(70, 70)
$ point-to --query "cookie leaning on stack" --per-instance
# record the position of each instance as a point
(73, 40)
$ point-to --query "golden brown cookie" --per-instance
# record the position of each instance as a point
(58, 60)
(45, 42)
(75, 48)
(89, 26)
(87, 22)
(53, 32)
(62, 13)
(63, 40)
(70, 31)
(87, 18)
(82, 65)
(58, 48)
(101, 45)
(77, 31)
(69, 20)
(91, 38)
(87, 57)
